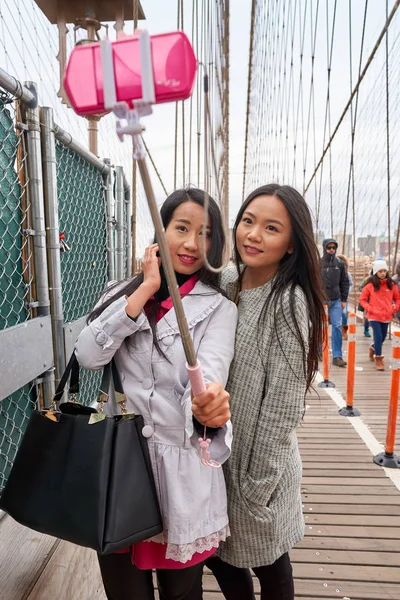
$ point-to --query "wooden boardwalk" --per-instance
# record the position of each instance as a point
(351, 549)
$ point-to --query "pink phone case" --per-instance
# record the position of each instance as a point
(174, 69)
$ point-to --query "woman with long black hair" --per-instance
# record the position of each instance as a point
(135, 323)
(277, 287)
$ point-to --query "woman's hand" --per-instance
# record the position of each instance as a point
(212, 407)
(151, 269)
(151, 283)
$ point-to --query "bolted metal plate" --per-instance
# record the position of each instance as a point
(71, 332)
(26, 351)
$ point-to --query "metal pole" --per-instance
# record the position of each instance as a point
(66, 138)
(128, 225)
(109, 203)
(133, 217)
(119, 218)
(21, 92)
(53, 237)
(93, 130)
(35, 187)
(167, 264)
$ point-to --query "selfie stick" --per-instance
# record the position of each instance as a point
(132, 126)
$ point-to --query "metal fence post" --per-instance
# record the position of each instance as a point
(53, 236)
(119, 218)
(35, 187)
(109, 200)
(128, 225)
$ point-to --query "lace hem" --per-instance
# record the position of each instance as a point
(184, 552)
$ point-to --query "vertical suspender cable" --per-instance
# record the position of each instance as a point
(183, 115)
(388, 133)
(246, 138)
(134, 168)
(356, 88)
(191, 103)
(176, 107)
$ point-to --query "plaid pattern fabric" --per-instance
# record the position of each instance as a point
(263, 473)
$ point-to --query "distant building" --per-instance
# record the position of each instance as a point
(384, 246)
(368, 245)
(347, 247)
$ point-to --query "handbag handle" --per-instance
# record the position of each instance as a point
(73, 369)
(110, 371)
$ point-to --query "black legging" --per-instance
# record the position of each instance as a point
(124, 581)
(276, 580)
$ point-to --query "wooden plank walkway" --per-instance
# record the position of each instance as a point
(352, 511)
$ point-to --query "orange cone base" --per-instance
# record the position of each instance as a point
(349, 411)
(390, 461)
(326, 384)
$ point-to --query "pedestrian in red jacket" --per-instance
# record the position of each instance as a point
(380, 299)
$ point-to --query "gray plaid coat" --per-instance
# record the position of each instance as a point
(263, 473)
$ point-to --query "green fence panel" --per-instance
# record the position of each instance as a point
(15, 274)
(82, 219)
(15, 411)
(13, 288)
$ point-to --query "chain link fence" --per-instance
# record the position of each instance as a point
(15, 411)
(87, 220)
(15, 250)
(82, 219)
(16, 270)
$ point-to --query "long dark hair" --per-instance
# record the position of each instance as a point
(214, 255)
(301, 268)
(376, 282)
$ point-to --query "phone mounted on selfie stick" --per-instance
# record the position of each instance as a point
(127, 77)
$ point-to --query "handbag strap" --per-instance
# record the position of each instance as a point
(110, 371)
(72, 369)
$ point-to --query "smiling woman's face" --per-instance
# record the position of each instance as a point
(184, 235)
(264, 234)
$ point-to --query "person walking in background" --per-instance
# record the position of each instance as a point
(380, 299)
(360, 308)
(345, 311)
(336, 287)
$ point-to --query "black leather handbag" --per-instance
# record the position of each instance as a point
(82, 476)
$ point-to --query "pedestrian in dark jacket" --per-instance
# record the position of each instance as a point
(336, 286)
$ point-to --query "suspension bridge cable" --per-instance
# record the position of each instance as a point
(191, 101)
(246, 137)
(351, 174)
(178, 19)
(387, 131)
(367, 65)
(134, 167)
(154, 167)
(182, 27)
